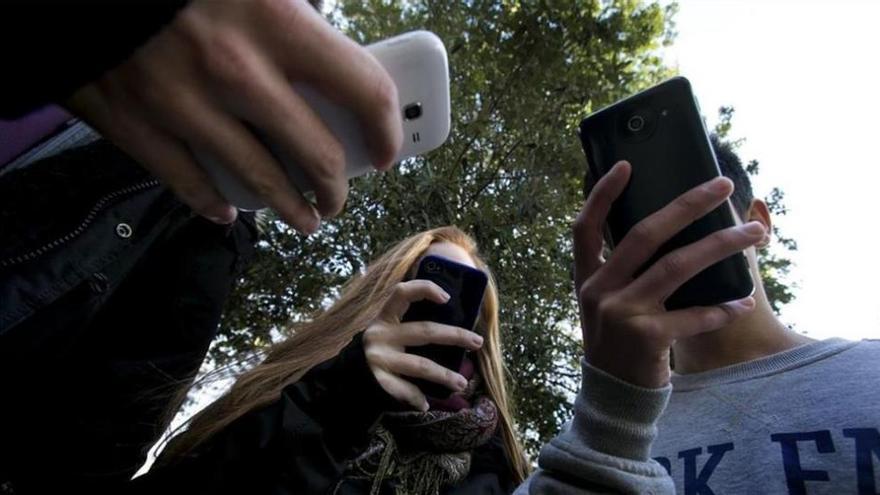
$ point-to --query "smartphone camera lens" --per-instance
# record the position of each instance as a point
(432, 267)
(412, 111)
(635, 123)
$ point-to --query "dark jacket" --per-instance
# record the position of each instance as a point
(300, 443)
(110, 293)
(49, 49)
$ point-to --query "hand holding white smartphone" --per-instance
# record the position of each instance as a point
(417, 63)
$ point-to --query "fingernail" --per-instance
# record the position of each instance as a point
(753, 228)
(310, 225)
(446, 296)
(461, 383)
(223, 216)
(477, 340)
(425, 406)
(746, 303)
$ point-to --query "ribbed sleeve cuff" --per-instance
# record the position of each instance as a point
(615, 417)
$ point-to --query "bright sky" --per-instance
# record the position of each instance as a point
(804, 78)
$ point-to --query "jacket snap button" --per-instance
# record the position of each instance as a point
(123, 230)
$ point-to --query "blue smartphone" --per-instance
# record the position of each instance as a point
(465, 286)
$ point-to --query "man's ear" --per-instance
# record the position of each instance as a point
(759, 212)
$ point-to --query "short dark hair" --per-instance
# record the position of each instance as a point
(731, 167)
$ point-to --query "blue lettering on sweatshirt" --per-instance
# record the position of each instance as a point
(866, 446)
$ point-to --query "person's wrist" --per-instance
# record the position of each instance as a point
(651, 371)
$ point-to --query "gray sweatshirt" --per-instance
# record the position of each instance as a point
(806, 420)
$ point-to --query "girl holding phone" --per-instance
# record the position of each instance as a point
(332, 409)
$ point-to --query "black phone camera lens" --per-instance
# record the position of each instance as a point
(635, 123)
(412, 111)
(432, 267)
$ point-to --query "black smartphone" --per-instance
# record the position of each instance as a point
(465, 286)
(661, 133)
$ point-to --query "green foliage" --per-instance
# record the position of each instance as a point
(524, 73)
(775, 266)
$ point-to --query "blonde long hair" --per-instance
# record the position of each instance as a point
(322, 338)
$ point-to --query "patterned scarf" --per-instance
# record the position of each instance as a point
(420, 452)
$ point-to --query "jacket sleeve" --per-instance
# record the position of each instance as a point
(299, 444)
(48, 49)
(606, 446)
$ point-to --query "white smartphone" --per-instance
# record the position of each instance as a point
(418, 65)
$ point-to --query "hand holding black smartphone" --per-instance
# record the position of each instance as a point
(465, 286)
(661, 133)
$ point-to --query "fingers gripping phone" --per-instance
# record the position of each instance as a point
(465, 286)
(417, 64)
(661, 133)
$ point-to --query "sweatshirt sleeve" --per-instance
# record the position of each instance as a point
(48, 49)
(298, 444)
(606, 446)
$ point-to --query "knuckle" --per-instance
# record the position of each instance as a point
(423, 366)
(372, 354)
(265, 185)
(398, 291)
(581, 223)
(147, 87)
(647, 327)
(278, 12)
(331, 158)
(336, 202)
(384, 92)
(734, 236)
(328, 172)
(398, 294)
(186, 23)
(371, 334)
(720, 241)
(692, 202)
(643, 233)
(430, 285)
(606, 307)
(272, 8)
(589, 296)
(674, 264)
(601, 196)
(723, 314)
(449, 376)
(723, 242)
(228, 59)
(428, 331)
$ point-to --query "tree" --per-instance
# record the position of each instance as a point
(775, 266)
(524, 73)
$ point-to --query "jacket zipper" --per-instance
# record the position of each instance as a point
(89, 218)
